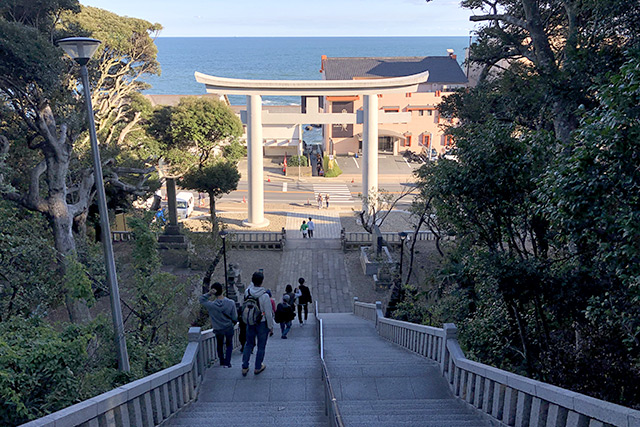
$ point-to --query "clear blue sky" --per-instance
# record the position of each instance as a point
(297, 17)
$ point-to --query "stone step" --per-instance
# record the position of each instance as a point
(437, 404)
(422, 423)
(250, 420)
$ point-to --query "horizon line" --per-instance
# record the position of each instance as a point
(305, 36)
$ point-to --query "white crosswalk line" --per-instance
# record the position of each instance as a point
(284, 187)
(338, 193)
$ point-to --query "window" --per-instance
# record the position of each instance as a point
(426, 140)
(407, 141)
(438, 93)
(421, 112)
(448, 141)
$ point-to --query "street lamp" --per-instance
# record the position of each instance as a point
(223, 234)
(81, 49)
(403, 236)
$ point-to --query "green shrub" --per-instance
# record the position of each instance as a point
(40, 368)
(331, 168)
(297, 161)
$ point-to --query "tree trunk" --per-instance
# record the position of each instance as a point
(212, 212)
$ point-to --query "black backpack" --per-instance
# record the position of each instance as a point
(251, 312)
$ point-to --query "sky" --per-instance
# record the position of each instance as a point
(225, 18)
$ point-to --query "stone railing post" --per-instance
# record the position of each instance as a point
(195, 336)
(379, 314)
(450, 333)
(355, 300)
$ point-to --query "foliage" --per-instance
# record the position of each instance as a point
(27, 259)
(156, 323)
(39, 368)
(543, 277)
(217, 178)
(234, 151)
(297, 161)
(194, 129)
(331, 168)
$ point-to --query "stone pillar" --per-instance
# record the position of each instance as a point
(255, 163)
(172, 227)
(370, 147)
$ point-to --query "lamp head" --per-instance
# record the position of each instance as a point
(80, 49)
(403, 235)
(223, 234)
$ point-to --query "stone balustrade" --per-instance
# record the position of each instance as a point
(504, 397)
(355, 239)
(149, 401)
(269, 240)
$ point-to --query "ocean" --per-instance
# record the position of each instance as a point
(279, 58)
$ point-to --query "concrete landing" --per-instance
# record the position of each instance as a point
(380, 384)
(289, 392)
(321, 263)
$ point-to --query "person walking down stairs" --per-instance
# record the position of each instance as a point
(257, 313)
(223, 316)
(284, 316)
(304, 299)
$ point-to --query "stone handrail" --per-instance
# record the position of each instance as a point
(355, 239)
(257, 239)
(502, 396)
(365, 237)
(330, 402)
(149, 401)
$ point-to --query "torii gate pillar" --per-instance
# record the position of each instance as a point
(256, 217)
(370, 148)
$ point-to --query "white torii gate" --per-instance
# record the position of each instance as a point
(255, 117)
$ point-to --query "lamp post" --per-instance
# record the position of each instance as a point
(403, 236)
(223, 234)
(81, 49)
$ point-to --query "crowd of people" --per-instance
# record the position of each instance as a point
(256, 317)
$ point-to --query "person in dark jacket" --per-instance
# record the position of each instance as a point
(304, 299)
(284, 316)
(224, 316)
(288, 290)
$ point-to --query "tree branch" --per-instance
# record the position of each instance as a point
(500, 17)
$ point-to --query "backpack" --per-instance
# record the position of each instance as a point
(280, 313)
(251, 312)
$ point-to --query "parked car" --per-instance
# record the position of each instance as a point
(184, 204)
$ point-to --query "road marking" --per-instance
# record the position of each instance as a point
(284, 187)
(405, 160)
(338, 193)
(356, 162)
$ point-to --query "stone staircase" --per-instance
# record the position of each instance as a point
(380, 384)
(289, 392)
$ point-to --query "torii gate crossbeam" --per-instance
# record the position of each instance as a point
(255, 117)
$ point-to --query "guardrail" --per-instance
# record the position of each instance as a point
(502, 396)
(355, 239)
(149, 401)
(330, 402)
(121, 236)
(267, 240)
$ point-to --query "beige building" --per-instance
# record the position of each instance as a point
(423, 132)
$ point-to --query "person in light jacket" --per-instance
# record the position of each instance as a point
(224, 317)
